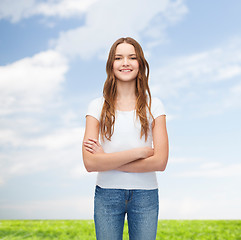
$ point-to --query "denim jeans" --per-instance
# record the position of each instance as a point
(111, 205)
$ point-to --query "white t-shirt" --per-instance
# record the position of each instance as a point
(126, 136)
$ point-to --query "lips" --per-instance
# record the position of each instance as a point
(125, 70)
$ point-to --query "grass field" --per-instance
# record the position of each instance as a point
(84, 229)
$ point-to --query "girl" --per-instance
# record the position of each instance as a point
(128, 121)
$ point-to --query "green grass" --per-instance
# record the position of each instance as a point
(84, 229)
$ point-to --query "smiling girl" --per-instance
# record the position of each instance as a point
(133, 146)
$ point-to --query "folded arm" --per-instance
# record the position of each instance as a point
(133, 160)
(97, 161)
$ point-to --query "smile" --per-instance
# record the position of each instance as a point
(125, 70)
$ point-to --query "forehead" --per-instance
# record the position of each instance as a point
(125, 48)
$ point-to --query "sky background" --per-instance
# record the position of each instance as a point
(52, 64)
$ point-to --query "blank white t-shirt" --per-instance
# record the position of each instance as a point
(126, 136)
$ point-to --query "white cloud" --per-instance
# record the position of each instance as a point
(59, 149)
(233, 97)
(30, 83)
(108, 20)
(64, 208)
(211, 66)
(17, 10)
(9, 137)
(63, 8)
(189, 207)
(210, 165)
(229, 72)
(60, 139)
(79, 172)
(181, 160)
(213, 170)
(198, 79)
(56, 140)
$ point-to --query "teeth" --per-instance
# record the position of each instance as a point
(125, 70)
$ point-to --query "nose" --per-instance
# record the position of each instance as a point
(125, 61)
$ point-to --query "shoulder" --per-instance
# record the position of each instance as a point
(155, 101)
(157, 107)
(97, 101)
(95, 107)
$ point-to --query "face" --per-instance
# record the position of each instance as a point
(125, 66)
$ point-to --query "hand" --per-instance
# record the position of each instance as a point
(147, 152)
(93, 146)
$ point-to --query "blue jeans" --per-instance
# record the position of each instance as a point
(111, 205)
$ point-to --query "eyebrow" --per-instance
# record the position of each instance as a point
(133, 54)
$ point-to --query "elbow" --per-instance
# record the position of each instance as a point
(88, 169)
(88, 165)
(161, 159)
(92, 164)
(162, 168)
(162, 164)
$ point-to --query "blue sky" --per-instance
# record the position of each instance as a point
(52, 63)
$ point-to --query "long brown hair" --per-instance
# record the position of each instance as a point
(107, 119)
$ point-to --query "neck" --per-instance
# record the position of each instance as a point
(126, 90)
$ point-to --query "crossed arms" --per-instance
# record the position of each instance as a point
(143, 159)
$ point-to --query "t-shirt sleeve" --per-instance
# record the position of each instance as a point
(157, 108)
(94, 108)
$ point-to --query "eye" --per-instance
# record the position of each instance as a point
(117, 58)
(133, 58)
